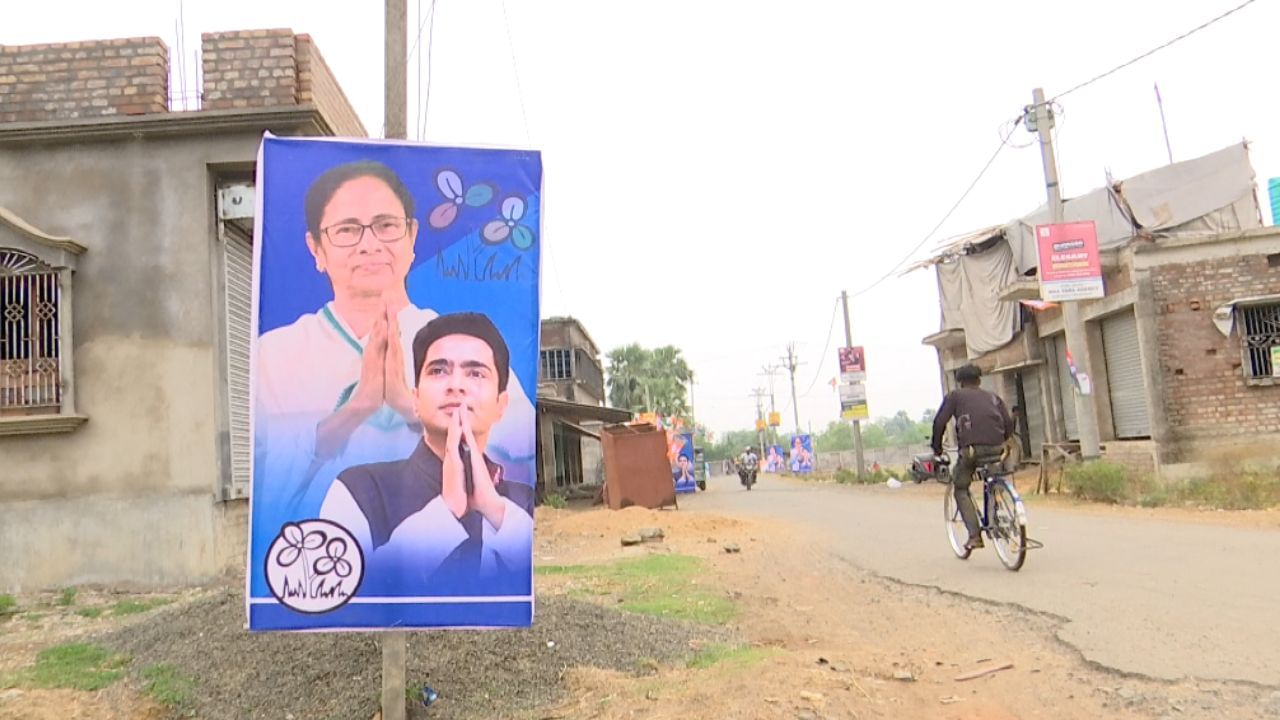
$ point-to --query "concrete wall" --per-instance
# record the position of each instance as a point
(131, 495)
(895, 459)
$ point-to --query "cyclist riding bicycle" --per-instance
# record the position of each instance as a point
(982, 426)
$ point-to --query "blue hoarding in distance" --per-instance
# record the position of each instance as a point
(800, 459)
(683, 473)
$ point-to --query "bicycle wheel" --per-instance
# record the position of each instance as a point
(957, 533)
(1007, 530)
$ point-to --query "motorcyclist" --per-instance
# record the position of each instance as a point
(747, 461)
(982, 426)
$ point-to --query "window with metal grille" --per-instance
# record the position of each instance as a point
(30, 340)
(1260, 332)
(557, 364)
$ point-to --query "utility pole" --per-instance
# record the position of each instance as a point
(791, 364)
(692, 405)
(771, 370)
(395, 90)
(395, 122)
(759, 394)
(1077, 340)
(857, 424)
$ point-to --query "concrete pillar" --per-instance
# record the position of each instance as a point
(547, 443)
(1144, 309)
(1053, 407)
(1101, 385)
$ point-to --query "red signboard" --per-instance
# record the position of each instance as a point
(1070, 265)
(852, 359)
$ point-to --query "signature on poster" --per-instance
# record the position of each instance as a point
(479, 263)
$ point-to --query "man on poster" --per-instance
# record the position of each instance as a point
(683, 471)
(333, 387)
(445, 512)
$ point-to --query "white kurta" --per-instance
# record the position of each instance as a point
(305, 371)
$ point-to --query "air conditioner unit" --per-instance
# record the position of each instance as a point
(235, 202)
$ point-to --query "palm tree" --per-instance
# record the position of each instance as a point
(643, 380)
(628, 371)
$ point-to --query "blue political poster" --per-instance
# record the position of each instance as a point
(800, 459)
(773, 462)
(393, 376)
(683, 471)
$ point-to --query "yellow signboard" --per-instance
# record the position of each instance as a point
(759, 424)
(775, 419)
(856, 412)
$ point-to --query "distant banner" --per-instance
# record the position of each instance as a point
(1070, 263)
(395, 357)
(775, 419)
(773, 460)
(801, 457)
(853, 364)
(852, 387)
(683, 472)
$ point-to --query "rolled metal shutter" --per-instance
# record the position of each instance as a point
(1124, 376)
(238, 281)
(1068, 389)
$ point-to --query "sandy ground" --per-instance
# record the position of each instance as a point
(840, 637)
(836, 642)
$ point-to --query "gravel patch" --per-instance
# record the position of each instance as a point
(478, 674)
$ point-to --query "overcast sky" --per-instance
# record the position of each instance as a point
(717, 172)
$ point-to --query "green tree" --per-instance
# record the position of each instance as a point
(644, 380)
(730, 445)
(874, 436)
(837, 436)
(896, 431)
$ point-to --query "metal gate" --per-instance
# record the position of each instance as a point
(1068, 389)
(238, 281)
(1124, 376)
(30, 334)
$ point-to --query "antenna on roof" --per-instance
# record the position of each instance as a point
(1164, 125)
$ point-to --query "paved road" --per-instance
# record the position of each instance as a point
(1159, 598)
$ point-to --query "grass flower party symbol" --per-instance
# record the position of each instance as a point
(451, 187)
(509, 226)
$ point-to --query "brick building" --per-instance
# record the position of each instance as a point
(571, 407)
(1219, 388)
(1179, 351)
(125, 286)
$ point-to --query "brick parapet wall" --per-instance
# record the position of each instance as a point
(68, 81)
(318, 86)
(248, 68)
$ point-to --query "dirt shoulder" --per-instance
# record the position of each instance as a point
(780, 628)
